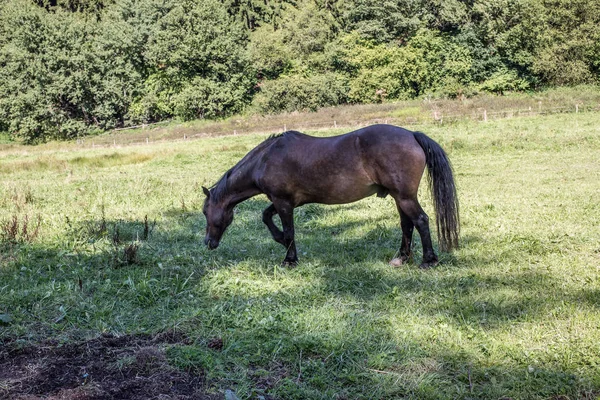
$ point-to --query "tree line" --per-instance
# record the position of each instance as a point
(75, 67)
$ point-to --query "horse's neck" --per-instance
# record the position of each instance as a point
(241, 187)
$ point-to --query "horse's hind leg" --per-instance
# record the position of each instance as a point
(267, 218)
(412, 209)
(407, 233)
(408, 228)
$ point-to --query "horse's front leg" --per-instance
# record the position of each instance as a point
(267, 218)
(285, 209)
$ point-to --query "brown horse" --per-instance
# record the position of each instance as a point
(293, 169)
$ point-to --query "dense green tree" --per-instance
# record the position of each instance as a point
(62, 73)
(255, 13)
(269, 53)
(65, 73)
(387, 71)
(93, 7)
(194, 52)
(308, 30)
(513, 28)
(381, 21)
(570, 50)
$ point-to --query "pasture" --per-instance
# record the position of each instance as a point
(109, 285)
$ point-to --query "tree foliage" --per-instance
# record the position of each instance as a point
(67, 73)
(62, 73)
(71, 67)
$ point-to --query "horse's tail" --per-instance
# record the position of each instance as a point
(443, 190)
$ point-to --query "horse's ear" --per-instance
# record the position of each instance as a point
(206, 191)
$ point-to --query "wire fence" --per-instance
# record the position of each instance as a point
(147, 136)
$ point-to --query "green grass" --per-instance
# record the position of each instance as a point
(514, 313)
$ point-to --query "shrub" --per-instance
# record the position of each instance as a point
(428, 62)
(295, 93)
(205, 98)
(504, 80)
(268, 53)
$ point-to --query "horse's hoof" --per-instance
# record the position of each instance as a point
(289, 264)
(429, 264)
(396, 262)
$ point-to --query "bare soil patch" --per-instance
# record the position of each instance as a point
(109, 367)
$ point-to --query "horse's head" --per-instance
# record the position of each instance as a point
(218, 218)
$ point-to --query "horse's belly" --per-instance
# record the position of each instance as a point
(338, 194)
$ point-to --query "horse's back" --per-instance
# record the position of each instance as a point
(373, 135)
(400, 139)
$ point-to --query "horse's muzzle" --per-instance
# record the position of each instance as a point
(212, 244)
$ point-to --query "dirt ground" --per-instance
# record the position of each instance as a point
(127, 367)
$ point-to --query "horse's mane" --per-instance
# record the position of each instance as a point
(221, 188)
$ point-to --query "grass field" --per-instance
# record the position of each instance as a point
(514, 313)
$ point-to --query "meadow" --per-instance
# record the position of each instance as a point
(102, 254)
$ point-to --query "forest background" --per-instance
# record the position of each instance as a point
(76, 67)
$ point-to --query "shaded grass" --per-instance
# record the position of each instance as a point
(513, 313)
